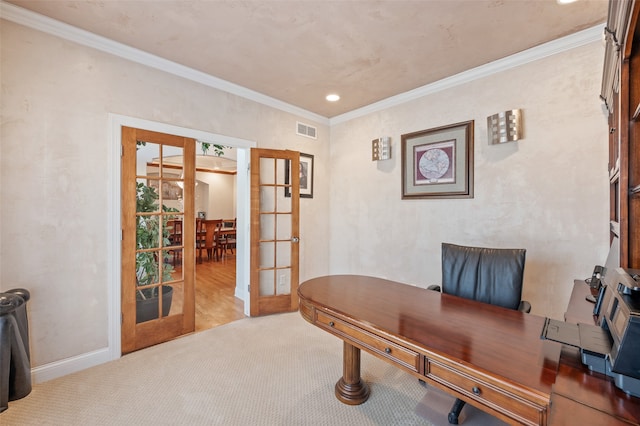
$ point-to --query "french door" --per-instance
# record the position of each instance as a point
(158, 237)
(274, 231)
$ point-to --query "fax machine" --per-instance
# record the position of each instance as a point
(611, 347)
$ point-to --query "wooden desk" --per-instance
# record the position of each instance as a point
(488, 356)
(578, 309)
(582, 396)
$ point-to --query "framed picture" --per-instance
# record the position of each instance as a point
(438, 163)
(306, 176)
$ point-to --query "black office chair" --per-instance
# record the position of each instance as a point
(487, 275)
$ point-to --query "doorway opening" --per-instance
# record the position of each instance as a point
(215, 203)
(117, 122)
(216, 302)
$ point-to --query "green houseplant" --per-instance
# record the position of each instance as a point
(147, 262)
(217, 149)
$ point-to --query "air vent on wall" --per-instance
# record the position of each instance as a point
(306, 130)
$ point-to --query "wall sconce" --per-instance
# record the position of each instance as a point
(381, 149)
(505, 127)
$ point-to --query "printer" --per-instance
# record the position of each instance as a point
(611, 346)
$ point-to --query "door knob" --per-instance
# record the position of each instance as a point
(295, 239)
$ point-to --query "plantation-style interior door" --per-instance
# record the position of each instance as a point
(158, 237)
(274, 231)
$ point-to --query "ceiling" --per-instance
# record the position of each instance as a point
(206, 163)
(300, 51)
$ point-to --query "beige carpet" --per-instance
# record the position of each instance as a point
(276, 370)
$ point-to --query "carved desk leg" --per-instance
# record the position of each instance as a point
(350, 389)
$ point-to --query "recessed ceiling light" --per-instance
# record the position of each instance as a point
(565, 1)
(333, 97)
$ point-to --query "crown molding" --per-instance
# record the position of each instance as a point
(45, 24)
(56, 28)
(563, 44)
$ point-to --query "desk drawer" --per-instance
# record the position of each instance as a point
(526, 412)
(369, 341)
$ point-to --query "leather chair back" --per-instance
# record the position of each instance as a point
(487, 275)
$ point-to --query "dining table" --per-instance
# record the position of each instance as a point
(205, 232)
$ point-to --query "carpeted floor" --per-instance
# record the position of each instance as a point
(275, 370)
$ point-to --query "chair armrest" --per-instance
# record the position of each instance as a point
(434, 287)
(524, 306)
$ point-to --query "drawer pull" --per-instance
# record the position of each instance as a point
(331, 323)
(387, 350)
(476, 390)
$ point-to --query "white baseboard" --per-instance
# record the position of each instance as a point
(63, 367)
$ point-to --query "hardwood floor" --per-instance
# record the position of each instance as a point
(216, 303)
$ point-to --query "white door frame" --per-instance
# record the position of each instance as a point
(116, 122)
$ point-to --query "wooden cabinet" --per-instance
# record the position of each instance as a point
(567, 411)
(621, 93)
(581, 396)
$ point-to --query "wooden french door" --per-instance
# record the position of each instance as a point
(158, 237)
(274, 231)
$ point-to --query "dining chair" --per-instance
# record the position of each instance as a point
(176, 239)
(200, 237)
(212, 237)
(229, 238)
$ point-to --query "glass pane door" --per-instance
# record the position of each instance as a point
(159, 226)
(158, 237)
(274, 257)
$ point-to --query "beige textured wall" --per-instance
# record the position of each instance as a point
(54, 204)
(221, 195)
(54, 210)
(547, 193)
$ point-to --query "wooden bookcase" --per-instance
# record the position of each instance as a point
(621, 93)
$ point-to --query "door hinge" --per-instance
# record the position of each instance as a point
(121, 150)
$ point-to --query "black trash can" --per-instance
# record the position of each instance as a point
(15, 364)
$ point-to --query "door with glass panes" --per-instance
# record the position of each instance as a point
(158, 237)
(274, 231)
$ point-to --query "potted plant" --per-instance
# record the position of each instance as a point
(147, 263)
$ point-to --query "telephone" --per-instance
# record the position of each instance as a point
(595, 282)
(596, 278)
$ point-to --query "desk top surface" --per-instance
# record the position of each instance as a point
(500, 342)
